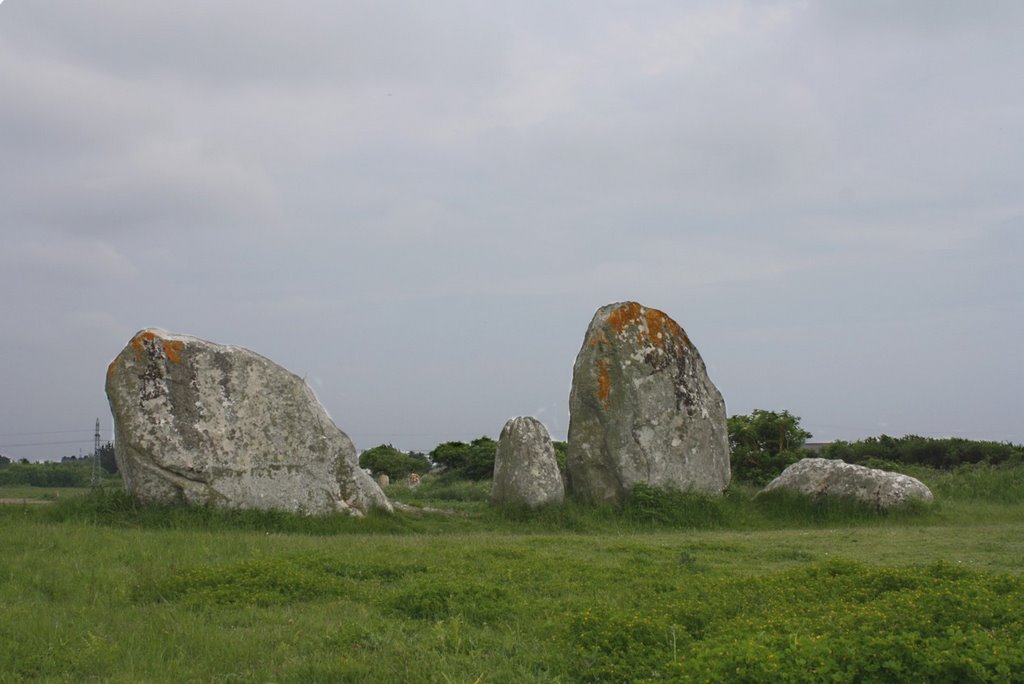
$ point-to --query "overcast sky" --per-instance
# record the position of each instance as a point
(418, 206)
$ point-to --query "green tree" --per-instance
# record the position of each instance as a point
(561, 449)
(4, 460)
(387, 460)
(762, 444)
(473, 461)
(107, 460)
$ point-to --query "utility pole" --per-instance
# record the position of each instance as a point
(96, 456)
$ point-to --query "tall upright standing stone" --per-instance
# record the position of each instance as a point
(643, 410)
(201, 423)
(525, 469)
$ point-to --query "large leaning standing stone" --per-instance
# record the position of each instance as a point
(835, 478)
(525, 469)
(207, 424)
(643, 410)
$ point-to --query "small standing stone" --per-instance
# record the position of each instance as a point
(525, 469)
(383, 480)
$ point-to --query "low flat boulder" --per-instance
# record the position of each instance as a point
(835, 478)
(525, 469)
(208, 424)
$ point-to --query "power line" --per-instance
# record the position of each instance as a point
(49, 432)
(84, 440)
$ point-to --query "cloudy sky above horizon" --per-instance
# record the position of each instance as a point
(419, 206)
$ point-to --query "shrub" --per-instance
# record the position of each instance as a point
(935, 453)
(561, 449)
(387, 460)
(474, 461)
(762, 444)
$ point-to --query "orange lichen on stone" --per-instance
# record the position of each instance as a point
(661, 328)
(624, 315)
(110, 368)
(145, 336)
(653, 327)
(604, 383)
(173, 349)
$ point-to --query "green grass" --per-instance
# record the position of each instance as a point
(670, 588)
(43, 493)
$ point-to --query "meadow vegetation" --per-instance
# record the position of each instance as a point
(669, 587)
(46, 475)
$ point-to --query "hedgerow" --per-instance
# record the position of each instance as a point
(935, 453)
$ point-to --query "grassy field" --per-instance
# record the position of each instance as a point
(14, 492)
(671, 588)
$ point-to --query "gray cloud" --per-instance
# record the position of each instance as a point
(420, 206)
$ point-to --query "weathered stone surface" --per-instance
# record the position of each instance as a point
(643, 410)
(525, 470)
(207, 424)
(832, 477)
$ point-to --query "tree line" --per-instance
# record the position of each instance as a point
(761, 445)
(46, 474)
(107, 460)
(945, 453)
(70, 472)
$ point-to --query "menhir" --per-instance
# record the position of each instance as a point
(643, 410)
(208, 424)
